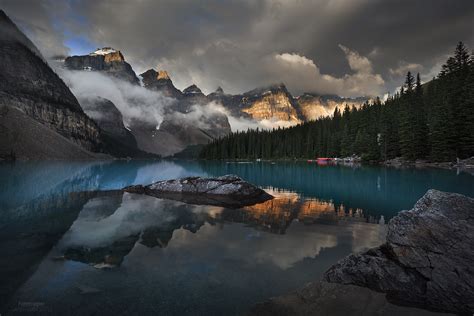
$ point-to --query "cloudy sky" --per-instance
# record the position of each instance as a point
(344, 47)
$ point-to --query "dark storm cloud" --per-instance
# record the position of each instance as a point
(328, 46)
(37, 20)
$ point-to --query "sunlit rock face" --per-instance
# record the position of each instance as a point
(105, 60)
(313, 106)
(273, 104)
(277, 104)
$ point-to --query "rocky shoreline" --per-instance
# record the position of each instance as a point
(461, 164)
(426, 262)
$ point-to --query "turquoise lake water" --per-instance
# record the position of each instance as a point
(68, 249)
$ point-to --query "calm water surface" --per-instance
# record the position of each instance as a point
(68, 249)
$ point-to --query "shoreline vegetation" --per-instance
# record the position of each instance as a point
(466, 165)
(432, 121)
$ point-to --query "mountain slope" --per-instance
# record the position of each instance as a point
(27, 83)
(185, 122)
(118, 140)
(25, 138)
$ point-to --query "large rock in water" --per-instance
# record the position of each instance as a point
(427, 260)
(227, 191)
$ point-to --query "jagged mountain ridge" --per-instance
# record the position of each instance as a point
(273, 103)
(106, 59)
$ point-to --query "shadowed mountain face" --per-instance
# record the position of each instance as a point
(118, 139)
(160, 81)
(184, 122)
(28, 85)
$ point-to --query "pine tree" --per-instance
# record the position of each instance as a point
(435, 120)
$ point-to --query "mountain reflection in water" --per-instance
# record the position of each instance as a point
(109, 225)
(57, 229)
(178, 258)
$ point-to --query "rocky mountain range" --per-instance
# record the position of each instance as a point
(41, 118)
(273, 103)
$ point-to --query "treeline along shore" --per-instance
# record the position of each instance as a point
(432, 121)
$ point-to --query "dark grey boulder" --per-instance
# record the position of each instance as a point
(427, 260)
(228, 191)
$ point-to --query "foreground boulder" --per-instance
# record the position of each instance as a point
(427, 260)
(226, 191)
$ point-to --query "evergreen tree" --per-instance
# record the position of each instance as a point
(434, 120)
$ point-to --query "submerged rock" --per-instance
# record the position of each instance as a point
(227, 191)
(322, 298)
(426, 260)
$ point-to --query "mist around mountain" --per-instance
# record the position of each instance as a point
(430, 122)
(96, 106)
(40, 117)
(165, 120)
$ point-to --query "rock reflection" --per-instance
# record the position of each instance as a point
(110, 224)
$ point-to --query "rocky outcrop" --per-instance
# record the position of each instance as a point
(313, 106)
(161, 82)
(27, 83)
(192, 90)
(228, 191)
(106, 60)
(192, 96)
(426, 260)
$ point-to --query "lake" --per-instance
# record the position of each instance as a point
(71, 246)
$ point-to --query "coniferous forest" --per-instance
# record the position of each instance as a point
(433, 121)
